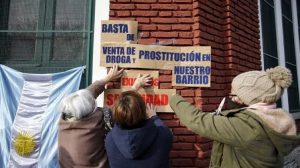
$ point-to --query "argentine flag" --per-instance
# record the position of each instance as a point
(29, 117)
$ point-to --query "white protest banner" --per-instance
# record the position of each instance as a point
(158, 97)
(129, 76)
(119, 31)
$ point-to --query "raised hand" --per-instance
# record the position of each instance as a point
(113, 74)
(141, 81)
(151, 110)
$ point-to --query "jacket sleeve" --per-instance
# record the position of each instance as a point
(96, 88)
(159, 123)
(228, 130)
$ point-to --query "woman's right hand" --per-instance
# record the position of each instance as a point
(141, 81)
(151, 110)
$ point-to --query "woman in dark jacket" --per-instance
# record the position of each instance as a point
(81, 127)
(139, 139)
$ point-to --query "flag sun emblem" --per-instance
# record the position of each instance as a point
(24, 144)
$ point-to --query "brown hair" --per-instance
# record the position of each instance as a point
(130, 110)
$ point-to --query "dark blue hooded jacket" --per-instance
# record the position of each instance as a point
(145, 147)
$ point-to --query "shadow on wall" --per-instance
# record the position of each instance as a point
(293, 159)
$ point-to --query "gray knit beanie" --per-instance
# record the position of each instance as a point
(261, 86)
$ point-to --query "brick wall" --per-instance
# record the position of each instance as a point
(230, 27)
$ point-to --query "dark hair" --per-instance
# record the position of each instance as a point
(130, 110)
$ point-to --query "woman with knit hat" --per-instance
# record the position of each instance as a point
(256, 135)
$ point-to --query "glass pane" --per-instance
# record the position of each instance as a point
(69, 46)
(17, 46)
(293, 91)
(287, 8)
(271, 2)
(289, 46)
(270, 62)
(268, 29)
(298, 12)
(18, 16)
(71, 14)
(23, 15)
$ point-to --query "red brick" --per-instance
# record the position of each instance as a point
(164, 1)
(165, 85)
(150, 41)
(182, 131)
(144, 1)
(200, 93)
(143, 6)
(117, 85)
(200, 101)
(147, 27)
(182, 154)
(172, 123)
(165, 116)
(186, 34)
(164, 34)
(164, 20)
(143, 20)
(112, 13)
(166, 72)
(124, 1)
(164, 27)
(164, 6)
(182, 162)
(123, 13)
(185, 138)
(181, 27)
(183, 1)
(165, 41)
(165, 13)
(185, 20)
(144, 34)
(184, 42)
(215, 100)
(165, 78)
(144, 13)
(179, 87)
(110, 85)
(121, 6)
(182, 146)
(202, 163)
(186, 7)
(209, 107)
(182, 13)
(189, 92)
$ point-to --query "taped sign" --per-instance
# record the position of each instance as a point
(119, 31)
(160, 98)
(151, 56)
(129, 76)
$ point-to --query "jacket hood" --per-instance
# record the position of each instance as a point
(133, 143)
(280, 127)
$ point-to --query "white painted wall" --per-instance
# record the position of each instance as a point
(101, 13)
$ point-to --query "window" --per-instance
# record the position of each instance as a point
(269, 35)
(45, 36)
(279, 44)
